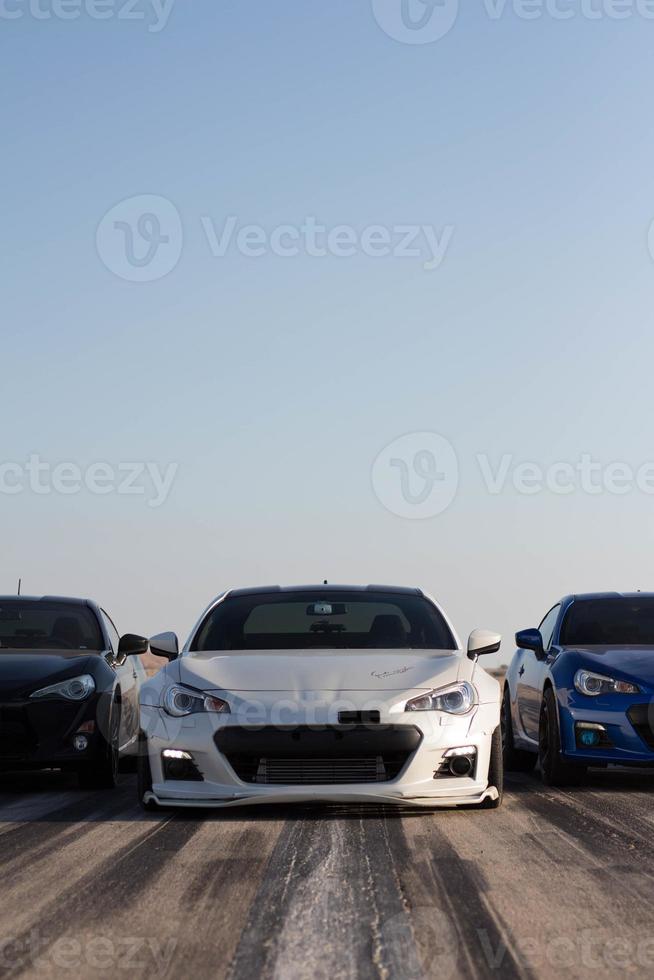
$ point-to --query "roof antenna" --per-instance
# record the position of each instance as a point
(325, 582)
(20, 582)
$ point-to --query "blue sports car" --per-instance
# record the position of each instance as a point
(579, 691)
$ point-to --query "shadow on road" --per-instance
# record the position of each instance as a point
(27, 797)
(53, 797)
(612, 781)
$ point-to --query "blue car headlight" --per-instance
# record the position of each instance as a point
(592, 684)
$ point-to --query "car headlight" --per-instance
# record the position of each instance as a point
(457, 699)
(181, 701)
(587, 682)
(74, 689)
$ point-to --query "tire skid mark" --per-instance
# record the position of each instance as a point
(293, 858)
(121, 878)
(324, 905)
(464, 896)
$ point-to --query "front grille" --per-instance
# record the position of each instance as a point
(641, 717)
(339, 754)
(302, 772)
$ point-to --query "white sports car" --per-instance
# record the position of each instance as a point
(334, 693)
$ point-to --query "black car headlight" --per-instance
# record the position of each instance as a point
(457, 699)
(592, 684)
(181, 701)
(74, 689)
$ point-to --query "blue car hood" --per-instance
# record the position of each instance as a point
(629, 662)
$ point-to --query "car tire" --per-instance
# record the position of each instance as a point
(103, 774)
(515, 760)
(554, 771)
(495, 771)
(144, 775)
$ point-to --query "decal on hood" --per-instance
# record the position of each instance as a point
(390, 673)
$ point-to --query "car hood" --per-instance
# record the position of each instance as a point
(307, 670)
(633, 662)
(22, 673)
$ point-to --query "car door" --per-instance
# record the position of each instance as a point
(129, 686)
(531, 676)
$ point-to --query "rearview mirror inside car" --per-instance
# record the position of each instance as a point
(327, 609)
(482, 642)
(165, 645)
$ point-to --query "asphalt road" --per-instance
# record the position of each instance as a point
(554, 883)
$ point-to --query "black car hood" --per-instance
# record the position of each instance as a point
(21, 673)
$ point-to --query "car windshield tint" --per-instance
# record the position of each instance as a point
(315, 620)
(609, 622)
(26, 625)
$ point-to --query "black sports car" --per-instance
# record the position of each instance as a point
(69, 688)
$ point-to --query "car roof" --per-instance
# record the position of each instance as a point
(585, 596)
(325, 589)
(64, 600)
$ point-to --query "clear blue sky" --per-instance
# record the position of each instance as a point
(275, 382)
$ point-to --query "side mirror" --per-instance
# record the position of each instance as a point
(482, 642)
(165, 645)
(530, 640)
(131, 646)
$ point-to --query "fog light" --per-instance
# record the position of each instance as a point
(590, 735)
(589, 738)
(180, 766)
(81, 743)
(458, 762)
(461, 765)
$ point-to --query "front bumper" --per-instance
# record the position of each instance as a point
(39, 734)
(627, 719)
(425, 737)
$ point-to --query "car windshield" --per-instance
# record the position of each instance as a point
(609, 622)
(330, 620)
(39, 625)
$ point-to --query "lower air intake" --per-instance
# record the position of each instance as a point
(301, 772)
